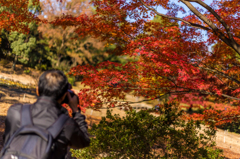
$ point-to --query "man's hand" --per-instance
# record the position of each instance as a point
(73, 102)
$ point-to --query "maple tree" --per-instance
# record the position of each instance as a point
(16, 43)
(16, 14)
(173, 59)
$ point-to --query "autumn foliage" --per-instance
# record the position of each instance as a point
(15, 17)
(173, 55)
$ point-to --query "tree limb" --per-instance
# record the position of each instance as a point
(169, 93)
(229, 41)
(218, 72)
(217, 31)
(175, 18)
(216, 15)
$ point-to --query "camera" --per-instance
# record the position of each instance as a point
(66, 100)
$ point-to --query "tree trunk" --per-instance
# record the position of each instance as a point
(14, 62)
(58, 60)
(1, 54)
(29, 61)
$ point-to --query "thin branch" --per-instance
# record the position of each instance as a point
(215, 94)
(217, 31)
(169, 93)
(218, 72)
(168, 78)
(236, 65)
(234, 117)
(128, 35)
(216, 15)
(159, 97)
(236, 36)
(227, 96)
(175, 18)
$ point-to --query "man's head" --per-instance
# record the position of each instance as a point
(53, 83)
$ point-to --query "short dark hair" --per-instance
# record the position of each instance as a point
(53, 83)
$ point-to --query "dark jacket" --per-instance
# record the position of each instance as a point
(45, 111)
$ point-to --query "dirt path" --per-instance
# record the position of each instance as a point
(229, 142)
(25, 79)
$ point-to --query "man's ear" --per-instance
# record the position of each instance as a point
(37, 92)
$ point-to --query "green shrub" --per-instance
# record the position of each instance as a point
(27, 71)
(63, 66)
(141, 135)
(71, 80)
(42, 67)
(234, 126)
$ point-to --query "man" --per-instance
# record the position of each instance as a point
(52, 90)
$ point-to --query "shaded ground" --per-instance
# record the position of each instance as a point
(228, 141)
(229, 154)
(18, 74)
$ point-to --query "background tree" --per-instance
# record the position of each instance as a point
(16, 14)
(14, 17)
(67, 47)
(63, 41)
(5, 45)
(27, 48)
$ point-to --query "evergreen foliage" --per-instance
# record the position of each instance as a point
(142, 135)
